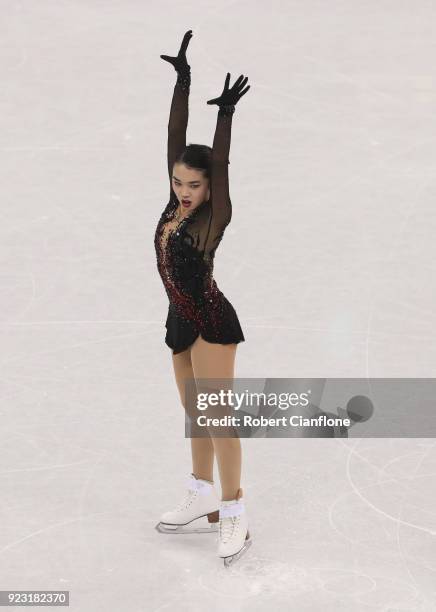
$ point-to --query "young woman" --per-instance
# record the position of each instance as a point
(203, 329)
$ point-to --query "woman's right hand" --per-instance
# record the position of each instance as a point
(179, 61)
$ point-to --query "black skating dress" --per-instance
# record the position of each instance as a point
(185, 252)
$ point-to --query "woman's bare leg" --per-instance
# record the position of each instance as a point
(218, 361)
(201, 448)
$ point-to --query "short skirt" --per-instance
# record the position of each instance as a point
(181, 333)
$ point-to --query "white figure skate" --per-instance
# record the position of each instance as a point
(234, 537)
(200, 501)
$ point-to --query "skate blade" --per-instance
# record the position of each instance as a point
(228, 561)
(170, 529)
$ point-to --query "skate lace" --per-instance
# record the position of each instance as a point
(187, 500)
(227, 527)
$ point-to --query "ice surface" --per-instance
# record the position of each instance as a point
(329, 262)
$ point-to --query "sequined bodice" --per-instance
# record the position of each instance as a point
(185, 268)
(185, 259)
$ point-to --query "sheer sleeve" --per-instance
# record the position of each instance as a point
(221, 206)
(178, 121)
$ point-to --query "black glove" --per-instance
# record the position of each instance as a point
(230, 97)
(180, 62)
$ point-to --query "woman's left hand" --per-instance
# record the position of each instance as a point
(231, 95)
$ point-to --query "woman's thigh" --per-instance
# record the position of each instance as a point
(211, 360)
(182, 365)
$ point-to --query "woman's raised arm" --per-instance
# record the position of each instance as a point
(221, 203)
(178, 121)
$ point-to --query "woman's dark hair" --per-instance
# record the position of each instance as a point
(197, 157)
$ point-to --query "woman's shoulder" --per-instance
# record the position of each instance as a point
(168, 209)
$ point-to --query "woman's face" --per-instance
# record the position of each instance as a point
(190, 187)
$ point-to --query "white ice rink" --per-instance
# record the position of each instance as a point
(329, 262)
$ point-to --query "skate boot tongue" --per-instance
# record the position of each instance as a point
(197, 484)
(202, 479)
(229, 502)
(233, 507)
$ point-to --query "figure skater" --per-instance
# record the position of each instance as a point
(203, 329)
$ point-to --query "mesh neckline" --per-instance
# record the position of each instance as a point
(189, 215)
